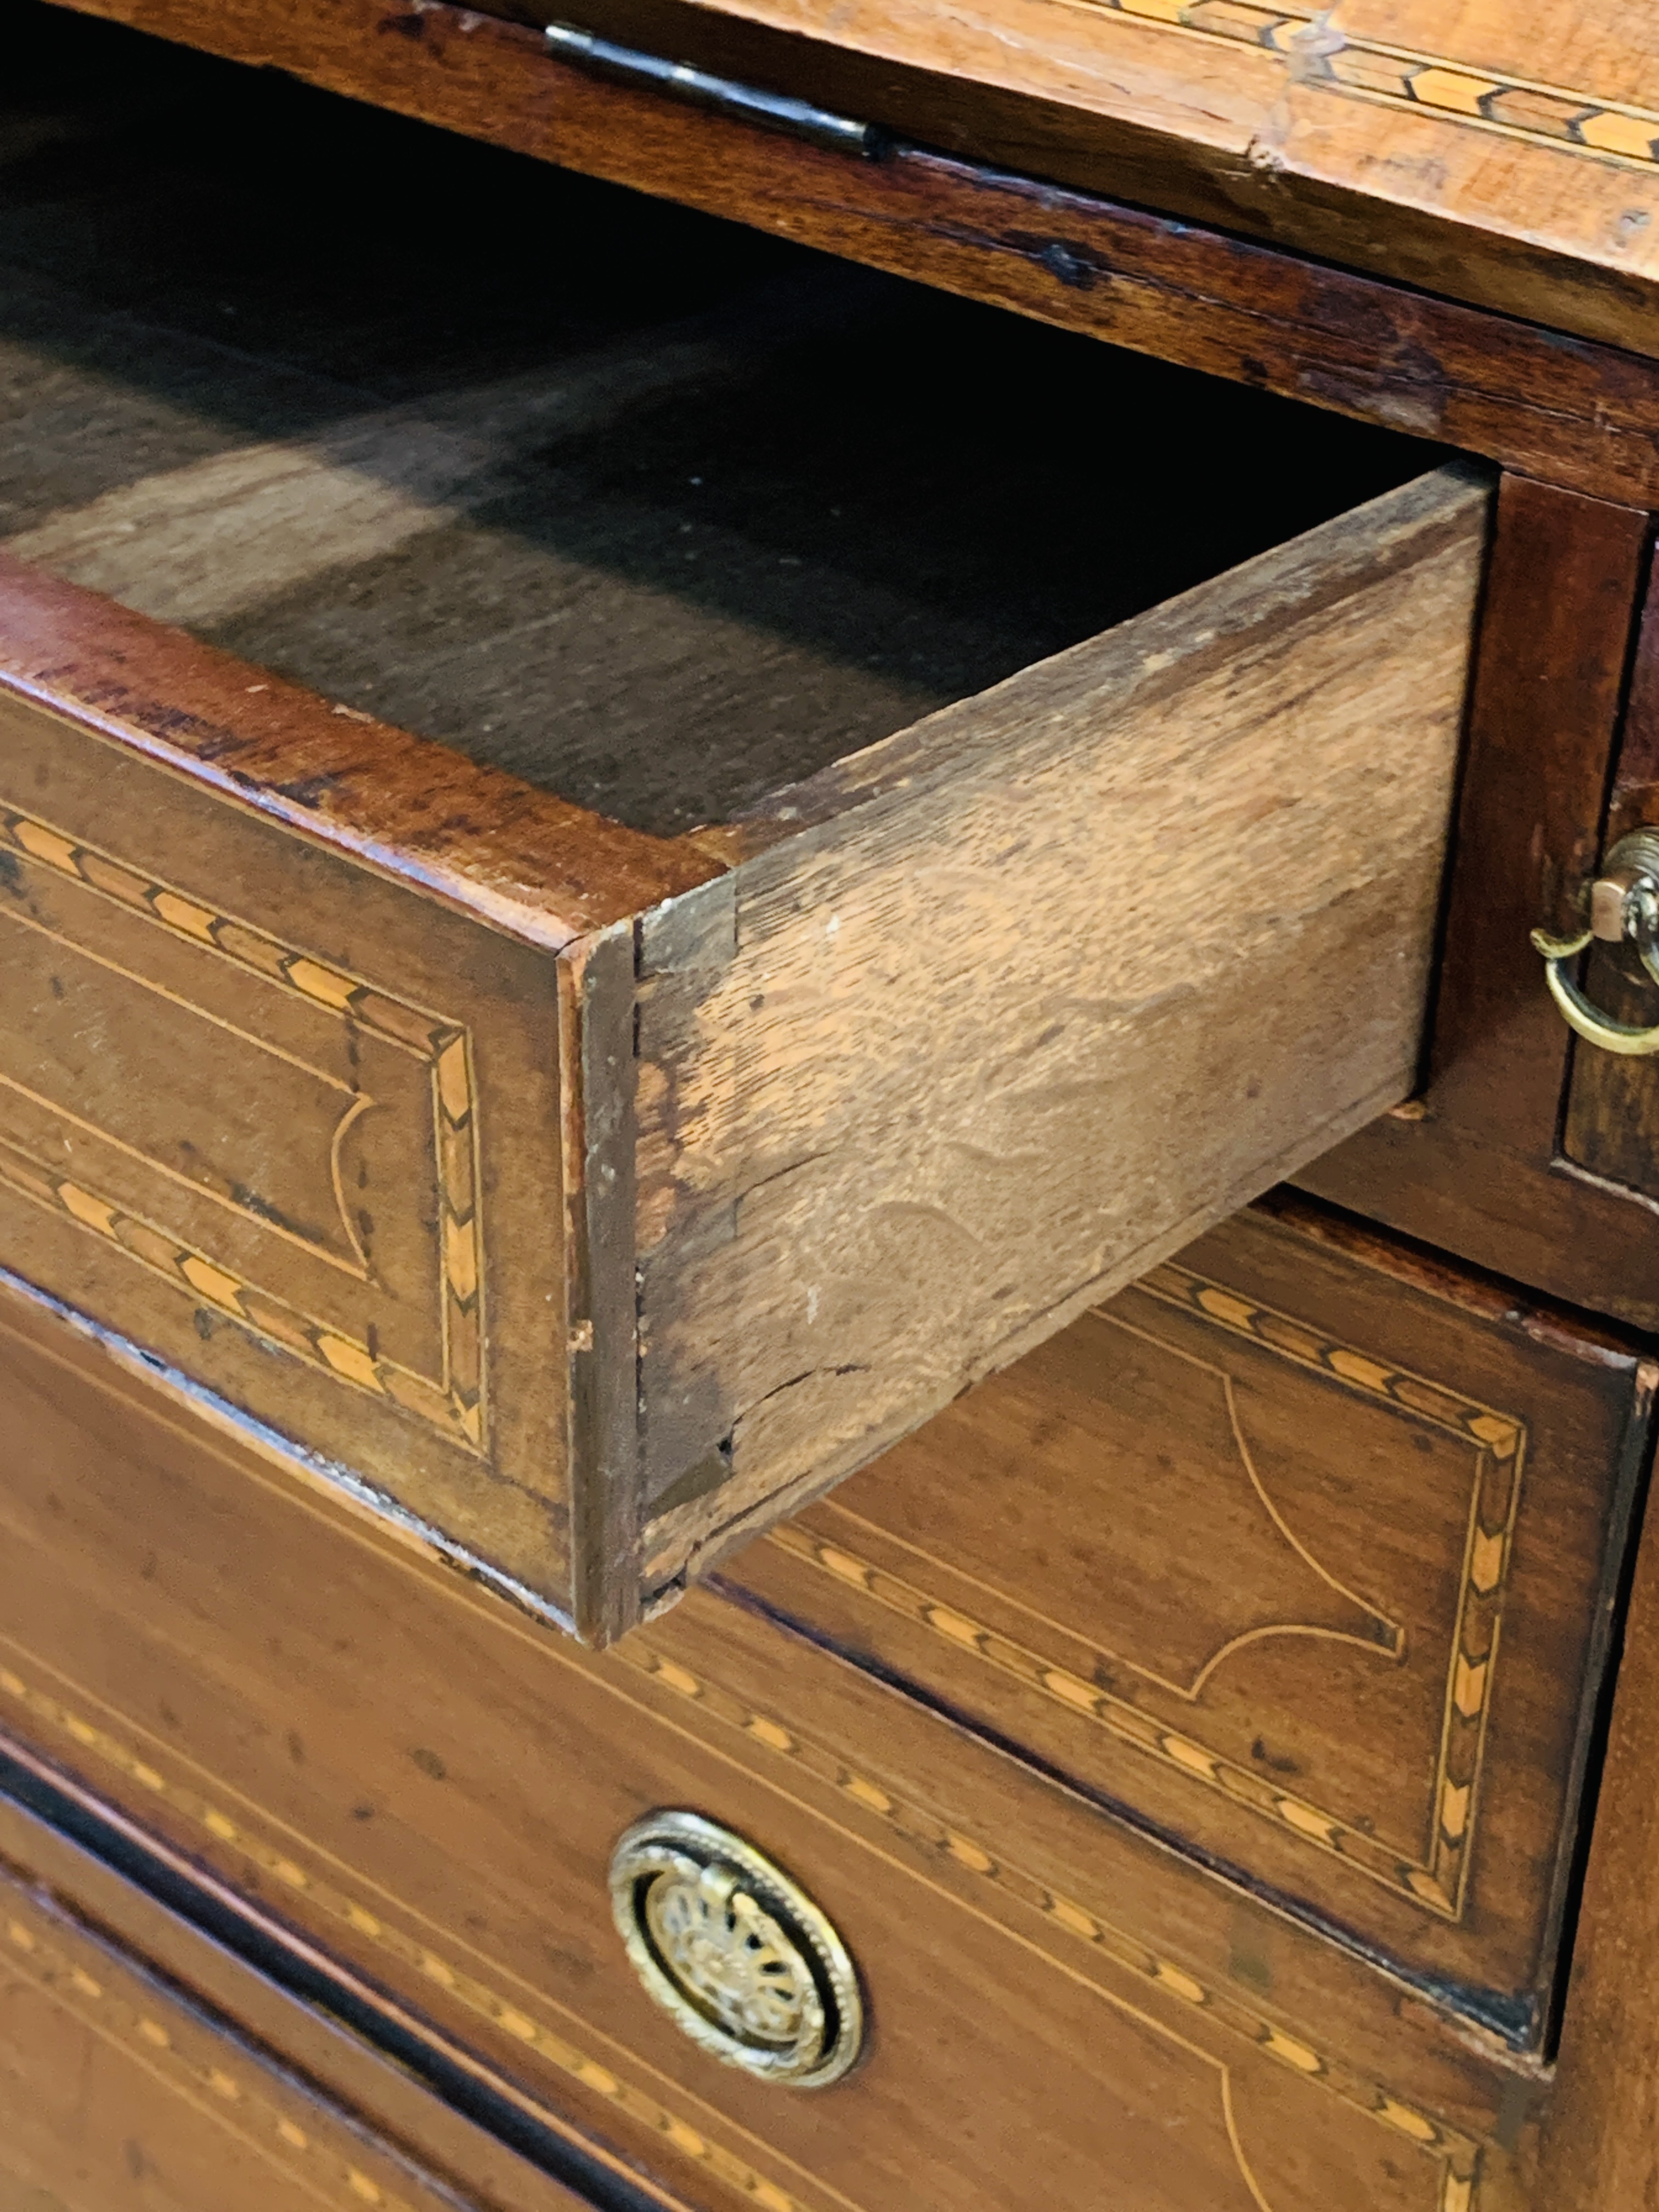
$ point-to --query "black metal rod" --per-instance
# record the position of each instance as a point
(771, 110)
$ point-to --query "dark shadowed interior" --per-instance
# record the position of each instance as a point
(654, 510)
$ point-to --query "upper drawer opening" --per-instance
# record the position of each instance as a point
(927, 814)
(654, 513)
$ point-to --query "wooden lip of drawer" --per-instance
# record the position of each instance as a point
(705, 1168)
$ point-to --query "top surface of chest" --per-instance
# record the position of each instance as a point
(1497, 153)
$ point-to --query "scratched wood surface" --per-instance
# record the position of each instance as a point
(824, 1260)
(140, 2064)
(1305, 1548)
(1568, 410)
(428, 1785)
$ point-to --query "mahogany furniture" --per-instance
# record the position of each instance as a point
(666, 1539)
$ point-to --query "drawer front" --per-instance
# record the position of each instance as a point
(140, 2064)
(430, 1786)
(289, 1120)
(1303, 1549)
(590, 1201)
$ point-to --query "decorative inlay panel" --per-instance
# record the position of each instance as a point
(185, 2061)
(276, 1856)
(203, 1178)
(1230, 1575)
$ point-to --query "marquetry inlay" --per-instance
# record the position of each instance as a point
(285, 1862)
(286, 1865)
(185, 2062)
(1438, 1881)
(1316, 52)
(454, 1398)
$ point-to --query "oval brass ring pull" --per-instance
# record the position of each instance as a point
(737, 1955)
(1624, 910)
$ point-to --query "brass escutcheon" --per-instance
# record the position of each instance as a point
(734, 1952)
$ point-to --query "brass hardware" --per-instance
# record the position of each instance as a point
(1624, 909)
(771, 111)
(736, 1955)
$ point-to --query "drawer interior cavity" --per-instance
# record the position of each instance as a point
(653, 512)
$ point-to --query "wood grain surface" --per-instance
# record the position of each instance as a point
(1305, 1549)
(1601, 2151)
(260, 938)
(1493, 156)
(860, 1186)
(424, 1785)
(1518, 174)
(142, 2064)
(379, 1055)
(1544, 403)
(578, 534)
(1472, 1166)
(281, 1107)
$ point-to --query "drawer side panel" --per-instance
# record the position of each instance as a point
(1047, 986)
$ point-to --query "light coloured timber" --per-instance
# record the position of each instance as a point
(1026, 997)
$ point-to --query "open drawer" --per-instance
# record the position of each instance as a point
(589, 1189)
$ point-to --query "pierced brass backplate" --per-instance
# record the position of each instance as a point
(737, 1955)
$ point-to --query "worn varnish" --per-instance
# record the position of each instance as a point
(425, 1784)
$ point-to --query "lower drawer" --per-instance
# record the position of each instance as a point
(364, 1746)
(143, 2069)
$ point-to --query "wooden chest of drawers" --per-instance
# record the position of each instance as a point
(663, 1532)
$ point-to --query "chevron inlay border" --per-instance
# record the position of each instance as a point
(1317, 53)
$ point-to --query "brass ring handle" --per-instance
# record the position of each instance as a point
(1590, 1022)
(1624, 909)
(737, 1955)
